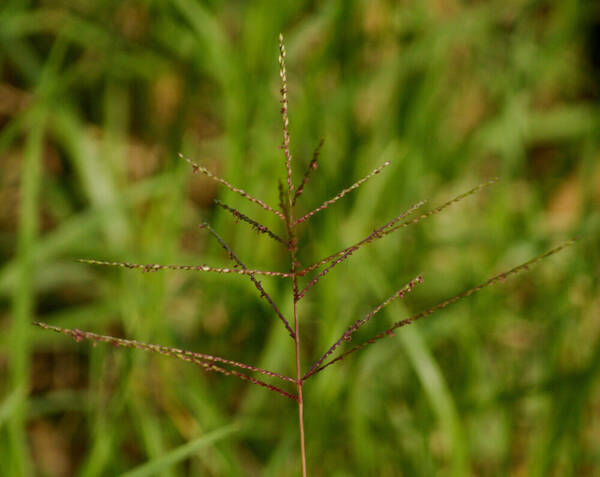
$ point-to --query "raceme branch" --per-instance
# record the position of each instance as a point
(198, 168)
(414, 221)
(501, 277)
(205, 361)
(354, 186)
(154, 267)
(257, 284)
(255, 225)
(377, 233)
(312, 166)
(347, 335)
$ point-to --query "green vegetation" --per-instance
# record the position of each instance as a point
(98, 98)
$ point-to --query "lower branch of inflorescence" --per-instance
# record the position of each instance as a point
(205, 361)
(501, 277)
(347, 335)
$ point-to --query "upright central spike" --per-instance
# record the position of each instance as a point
(286, 121)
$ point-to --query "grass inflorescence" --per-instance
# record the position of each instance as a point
(302, 277)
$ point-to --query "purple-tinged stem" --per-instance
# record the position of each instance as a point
(245, 377)
(356, 185)
(255, 225)
(283, 204)
(346, 336)
(312, 166)
(257, 284)
(407, 321)
(203, 360)
(198, 168)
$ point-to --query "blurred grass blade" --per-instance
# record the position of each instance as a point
(439, 397)
(24, 294)
(180, 453)
(96, 176)
(76, 230)
(11, 403)
(566, 416)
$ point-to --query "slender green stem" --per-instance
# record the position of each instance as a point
(293, 241)
(299, 379)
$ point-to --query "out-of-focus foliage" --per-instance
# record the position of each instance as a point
(96, 99)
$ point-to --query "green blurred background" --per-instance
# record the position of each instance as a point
(96, 99)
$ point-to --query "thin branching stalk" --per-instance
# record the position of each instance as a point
(350, 250)
(337, 197)
(283, 203)
(312, 166)
(255, 225)
(155, 267)
(437, 210)
(347, 335)
(198, 168)
(257, 284)
(205, 361)
(391, 229)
